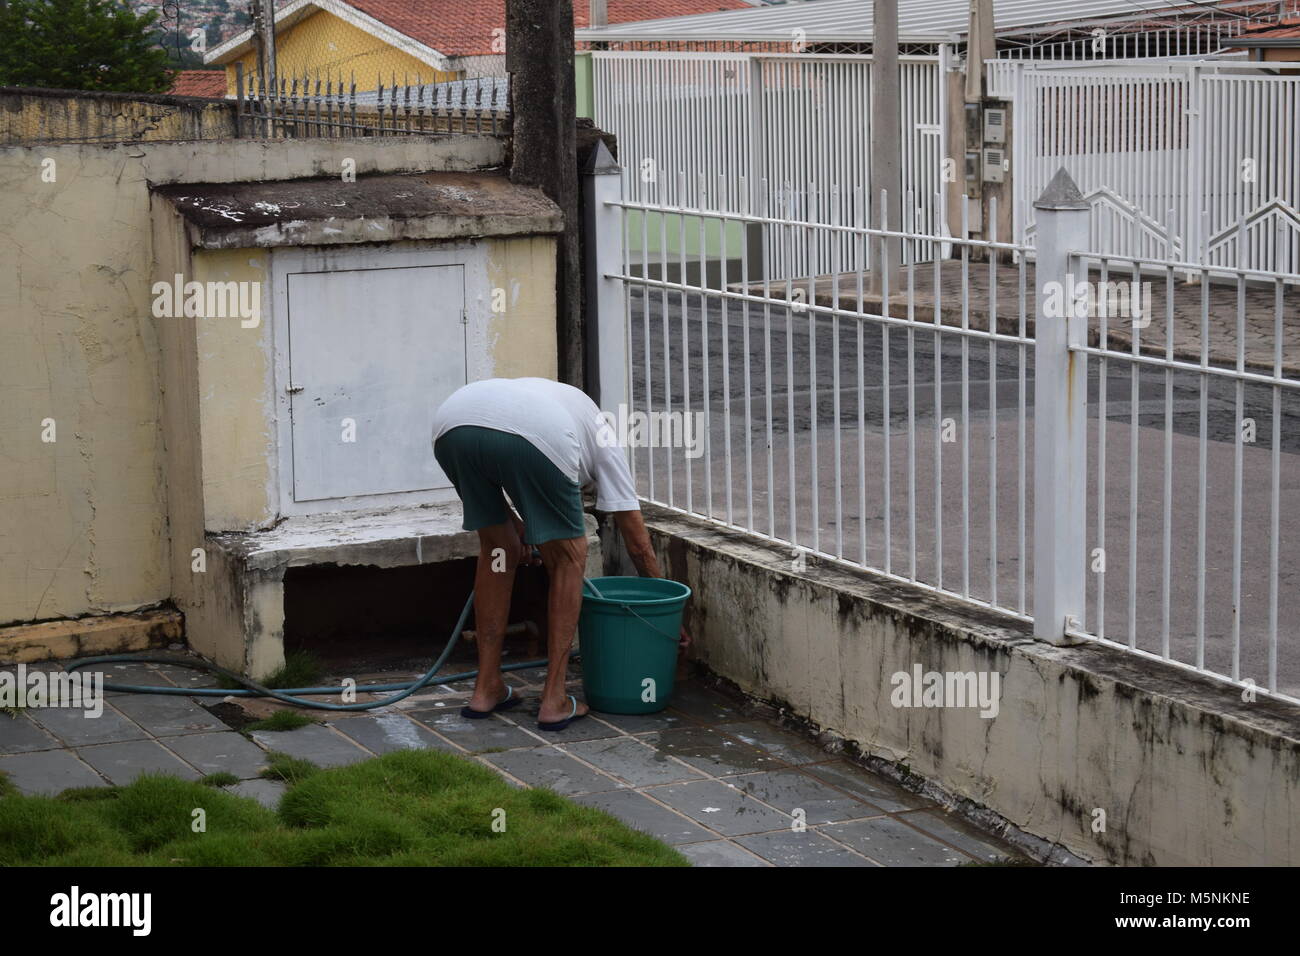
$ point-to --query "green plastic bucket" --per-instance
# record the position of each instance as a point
(629, 643)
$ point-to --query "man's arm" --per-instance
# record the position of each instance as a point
(632, 528)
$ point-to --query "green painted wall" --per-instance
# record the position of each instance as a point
(586, 91)
(669, 235)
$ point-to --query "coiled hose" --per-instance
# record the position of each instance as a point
(292, 695)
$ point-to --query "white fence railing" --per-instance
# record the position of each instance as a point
(771, 134)
(999, 433)
(1183, 160)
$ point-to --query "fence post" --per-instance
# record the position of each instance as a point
(606, 327)
(1060, 414)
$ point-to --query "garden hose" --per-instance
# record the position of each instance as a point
(292, 695)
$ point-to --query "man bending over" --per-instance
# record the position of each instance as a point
(541, 443)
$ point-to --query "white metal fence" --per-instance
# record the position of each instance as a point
(771, 134)
(1185, 160)
(961, 439)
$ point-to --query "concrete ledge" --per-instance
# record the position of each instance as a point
(109, 634)
(378, 208)
(1184, 771)
(238, 619)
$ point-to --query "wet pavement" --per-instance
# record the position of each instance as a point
(709, 775)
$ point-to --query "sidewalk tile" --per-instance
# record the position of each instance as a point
(878, 791)
(788, 790)
(641, 813)
(702, 704)
(807, 848)
(719, 853)
(76, 729)
(48, 772)
(644, 723)
(957, 832)
(388, 732)
(550, 768)
(476, 736)
(891, 842)
(720, 807)
(121, 763)
(19, 735)
(316, 743)
(214, 753)
(779, 743)
(167, 715)
(710, 751)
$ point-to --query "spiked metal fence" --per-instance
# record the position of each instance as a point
(305, 106)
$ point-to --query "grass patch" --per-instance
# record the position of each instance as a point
(220, 779)
(300, 669)
(7, 789)
(280, 720)
(409, 808)
(289, 769)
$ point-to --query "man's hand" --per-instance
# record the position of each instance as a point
(684, 642)
(525, 554)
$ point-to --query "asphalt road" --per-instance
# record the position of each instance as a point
(971, 531)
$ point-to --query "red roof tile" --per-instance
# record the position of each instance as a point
(464, 27)
(1285, 29)
(211, 83)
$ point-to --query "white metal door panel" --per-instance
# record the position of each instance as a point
(372, 354)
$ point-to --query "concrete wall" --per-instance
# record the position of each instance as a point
(82, 519)
(60, 116)
(1185, 771)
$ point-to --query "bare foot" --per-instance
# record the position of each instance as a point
(488, 693)
(560, 708)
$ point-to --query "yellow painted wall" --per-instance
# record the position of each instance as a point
(325, 45)
(236, 381)
(521, 339)
(83, 519)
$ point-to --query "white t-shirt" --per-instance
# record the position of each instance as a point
(559, 420)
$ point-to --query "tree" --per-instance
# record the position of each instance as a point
(80, 45)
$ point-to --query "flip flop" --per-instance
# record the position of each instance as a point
(510, 701)
(554, 725)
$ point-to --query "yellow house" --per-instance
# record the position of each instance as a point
(371, 41)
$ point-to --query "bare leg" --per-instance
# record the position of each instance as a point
(492, 590)
(565, 561)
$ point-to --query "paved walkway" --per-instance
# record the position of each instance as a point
(708, 775)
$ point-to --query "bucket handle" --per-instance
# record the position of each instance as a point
(672, 637)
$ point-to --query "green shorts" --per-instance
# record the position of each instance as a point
(482, 462)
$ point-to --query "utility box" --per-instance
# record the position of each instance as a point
(995, 125)
(994, 165)
(310, 329)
